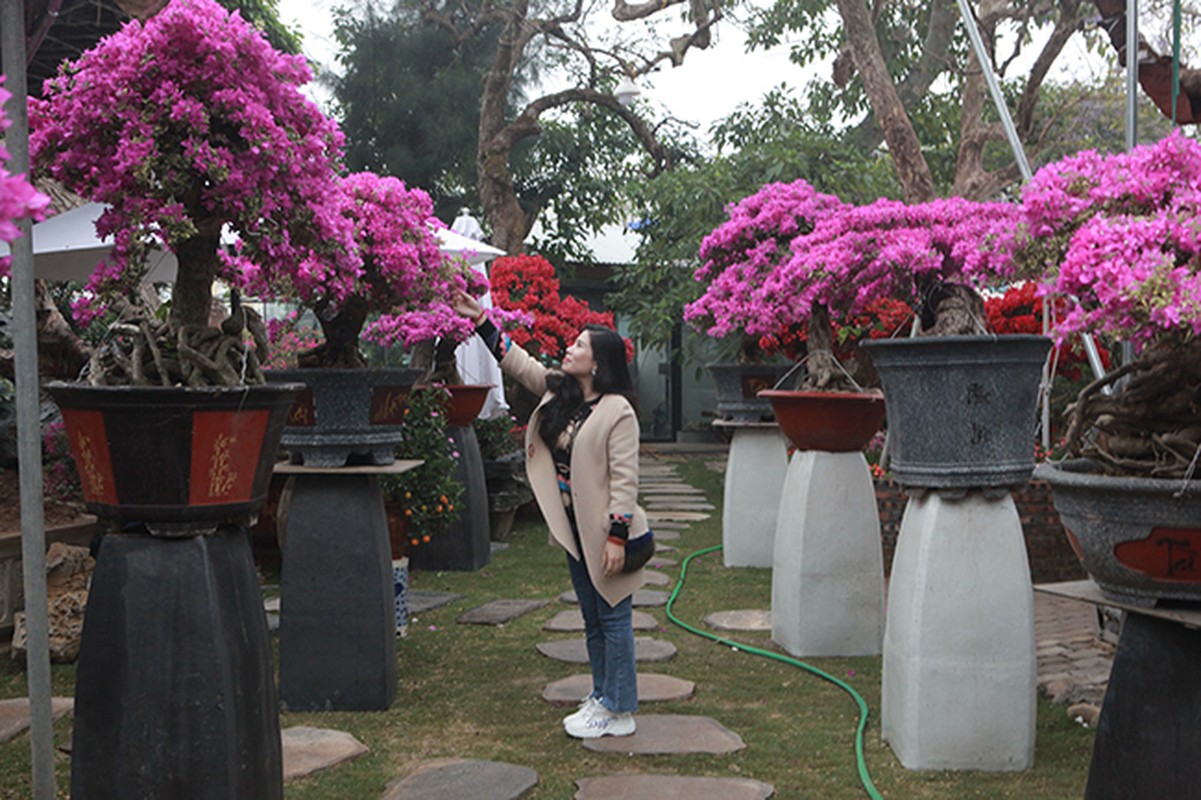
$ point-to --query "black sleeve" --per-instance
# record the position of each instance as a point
(492, 338)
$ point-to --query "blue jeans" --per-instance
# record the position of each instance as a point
(609, 636)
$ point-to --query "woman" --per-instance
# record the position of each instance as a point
(582, 463)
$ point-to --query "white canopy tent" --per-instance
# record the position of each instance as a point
(66, 248)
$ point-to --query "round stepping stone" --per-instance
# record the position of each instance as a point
(454, 777)
(675, 516)
(642, 598)
(747, 619)
(652, 688)
(308, 750)
(652, 578)
(670, 734)
(498, 612)
(573, 651)
(572, 621)
(672, 787)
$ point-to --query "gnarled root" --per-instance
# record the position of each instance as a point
(146, 351)
(1151, 424)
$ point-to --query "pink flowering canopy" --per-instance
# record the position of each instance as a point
(1119, 236)
(18, 199)
(741, 253)
(393, 269)
(851, 256)
(183, 124)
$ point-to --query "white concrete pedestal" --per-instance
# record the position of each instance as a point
(827, 588)
(959, 664)
(754, 477)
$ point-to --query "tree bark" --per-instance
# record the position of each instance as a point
(61, 353)
(912, 170)
(192, 297)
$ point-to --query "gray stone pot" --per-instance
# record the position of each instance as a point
(961, 409)
(738, 387)
(346, 415)
(1139, 538)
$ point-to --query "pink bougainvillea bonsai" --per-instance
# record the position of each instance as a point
(1117, 237)
(18, 199)
(187, 125)
(393, 284)
(789, 257)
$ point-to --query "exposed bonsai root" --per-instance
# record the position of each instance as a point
(148, 352)
(1151, 425)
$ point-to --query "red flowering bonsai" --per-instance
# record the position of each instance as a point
(527, 284)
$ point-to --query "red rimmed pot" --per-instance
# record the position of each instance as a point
(466, 400)
(177, 459)
(834, 422)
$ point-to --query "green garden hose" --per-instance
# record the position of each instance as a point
(860, 761)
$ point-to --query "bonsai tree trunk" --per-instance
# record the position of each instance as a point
(822, 370)
(340, 349)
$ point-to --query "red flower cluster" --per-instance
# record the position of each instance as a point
(880, 319)
(528, 284)
(1020, 310)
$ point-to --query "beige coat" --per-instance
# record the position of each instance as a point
(604, 476)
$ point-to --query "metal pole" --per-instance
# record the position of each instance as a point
(1131, 136)
(994, 89)
(1132, 74)
(29, 447)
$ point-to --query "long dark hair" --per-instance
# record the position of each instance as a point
(612, 377)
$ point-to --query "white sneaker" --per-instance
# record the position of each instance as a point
(601, 722)
(588, 706)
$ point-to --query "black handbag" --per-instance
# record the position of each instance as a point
(639, 551)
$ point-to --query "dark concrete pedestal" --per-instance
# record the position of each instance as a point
(466, 544)
(174, 694)
(1149, 735)
(337, 626)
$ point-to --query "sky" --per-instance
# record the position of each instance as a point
(708, 86)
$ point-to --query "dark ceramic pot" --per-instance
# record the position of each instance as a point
(346, 416)
(1138, 538)
(961, 409)
(180, 460)
(738, 387)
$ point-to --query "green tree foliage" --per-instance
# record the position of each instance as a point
(409, 99)
(773, 142)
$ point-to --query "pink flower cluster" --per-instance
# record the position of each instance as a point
(783, 252)
(380, 248)
(1117, 235)
(18, 199)
(183, 124)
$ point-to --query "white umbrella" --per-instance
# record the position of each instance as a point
(454, 243)
(66, 248)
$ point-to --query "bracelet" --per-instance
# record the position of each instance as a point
(477, 321)
(616, 541)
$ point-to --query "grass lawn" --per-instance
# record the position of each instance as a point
(470, 691)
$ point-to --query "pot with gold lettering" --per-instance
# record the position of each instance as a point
(181, 461)
(345, 416)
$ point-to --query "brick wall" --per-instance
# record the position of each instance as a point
(1051, 558)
